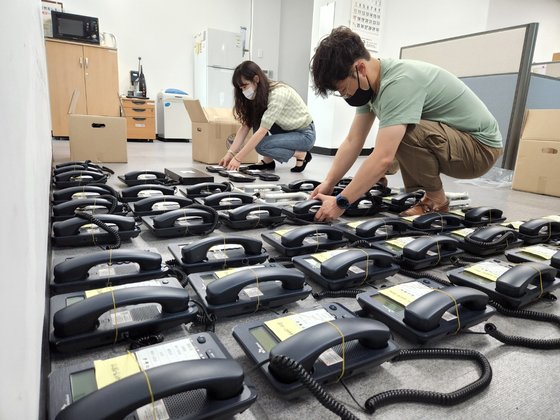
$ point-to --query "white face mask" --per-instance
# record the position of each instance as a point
(249, 93)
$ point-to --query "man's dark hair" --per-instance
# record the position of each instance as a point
(334, 57)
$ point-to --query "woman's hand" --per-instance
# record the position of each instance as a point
(225, 160)
(233, 164)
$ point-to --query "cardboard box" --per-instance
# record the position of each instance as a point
(537, 168)
(211, 128)
(95, 137)
(556, 56)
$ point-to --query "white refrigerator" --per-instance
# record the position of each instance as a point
(216, 54)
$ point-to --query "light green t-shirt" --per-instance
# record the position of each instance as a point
(413, 90)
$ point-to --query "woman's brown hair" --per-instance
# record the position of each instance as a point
(249, 112)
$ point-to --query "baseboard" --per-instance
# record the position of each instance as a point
(332, 152)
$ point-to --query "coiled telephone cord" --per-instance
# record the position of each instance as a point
(112, 232)
(350, 293)
(432, 397)
(501, 241)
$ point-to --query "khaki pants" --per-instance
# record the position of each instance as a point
(430, 148)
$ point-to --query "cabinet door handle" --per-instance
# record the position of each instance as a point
(87, 62)
(81, 62)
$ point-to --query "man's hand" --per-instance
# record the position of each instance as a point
(329, 210)
(322, 188)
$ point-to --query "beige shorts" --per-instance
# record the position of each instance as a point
(430, 148)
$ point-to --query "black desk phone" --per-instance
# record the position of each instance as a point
(81, 232)
(139, 192)
(76, 166)
(303, 210)
(93, 318)
(248, 289)
(103, 268)
(304, 239)
(79, 177)
(93, 205)
(314, 339)
(252, 216)
(83, 191)
(192, 220)
(377, 229)
(367, 205)
(403, 201)
(133, 178)
(422, 252)
(218, 252)
(434, 222)
(346, 268)
(539, 230)
(424, 310)
(301, 185)
(225, 200)
(511, 285)
(204, 189)
(486, 240)
(189, 378)
(159, 204)
(479, 216)
(542, 253)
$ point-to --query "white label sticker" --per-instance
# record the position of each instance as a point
(155, 411)
(162, 354)
(122, 317)
(330, 357)
(106, 272)
(252, 292)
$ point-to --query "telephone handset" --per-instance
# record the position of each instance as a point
(316, 342)
(84, 191)
(479, 216)
(424, 310)
(346, 268)
(374, 229)
(159, 204)
(138, 192)
(305, 185)
(306, 347)
(85, 164)
(304, 240)
(252, 216)
(221, 379)
(204, 189)
(113, 315)
(77, 178)
(226, 200)
(218, 252)
(76, 167)
(96, 269)
(555, 260)
(539, 230)
(81, 232)
(307, 207)
(133, 178)
(429, 251)
(403, 201)
(366, 205)
(489, 240)
(96, 206)
(513, 287)
(193, 220)
(436, 222)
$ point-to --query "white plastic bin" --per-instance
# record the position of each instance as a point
(173, 122)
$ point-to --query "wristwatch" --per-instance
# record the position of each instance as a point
(342, 202)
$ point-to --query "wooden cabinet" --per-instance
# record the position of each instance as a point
(140, 118)
(90, 69)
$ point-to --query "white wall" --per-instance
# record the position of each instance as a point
(503, 13)
(25, 159)
(295, 43)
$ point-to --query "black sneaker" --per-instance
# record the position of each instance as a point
(263, 166)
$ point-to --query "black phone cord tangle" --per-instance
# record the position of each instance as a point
(514, 340)
(203, 317)
(464, 260)
(424, 275)
(432, 397)
(113, 201)
(112, 232)
(350, 293)
(327, 400)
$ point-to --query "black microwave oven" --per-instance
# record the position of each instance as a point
(75, 27)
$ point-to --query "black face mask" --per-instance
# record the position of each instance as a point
(361, 96)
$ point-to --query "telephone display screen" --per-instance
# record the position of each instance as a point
(73, 299)
(82, 383)
(264, 338)
(388, 303)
